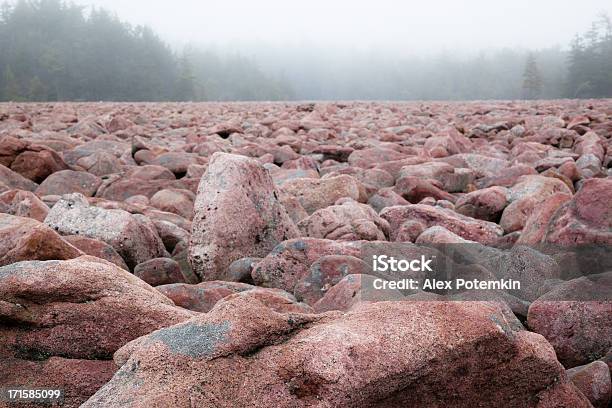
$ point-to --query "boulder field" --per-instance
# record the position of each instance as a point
(353, 254)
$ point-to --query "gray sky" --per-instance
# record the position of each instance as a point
(381, 24)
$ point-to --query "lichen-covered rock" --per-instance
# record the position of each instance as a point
(238, 352)
(132, 237)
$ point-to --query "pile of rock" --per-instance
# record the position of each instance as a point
(220, 255)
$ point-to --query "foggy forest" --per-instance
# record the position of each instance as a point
(52, 50)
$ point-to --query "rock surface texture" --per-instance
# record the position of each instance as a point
(237, 214)
(241, 350)
(308, 254)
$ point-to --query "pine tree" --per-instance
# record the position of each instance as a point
(38, 90)
(11, 90)
(532, 80)
(185, 88)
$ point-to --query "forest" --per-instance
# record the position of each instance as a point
(51, 50)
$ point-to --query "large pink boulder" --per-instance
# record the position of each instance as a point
(450, 178)
(120, 189)
(291, 260)
(237, 214)
(38, 163)
(576, 318)
(176, 201)
(61, 322)
(536, 225)
(26, 239)
(150, 172)
(468, 228)
(78, 378)
(351, 291)
(315, 194)
(68, 181)
(367, 158)
(203, 296)
(386, 197)
(485, 204)
(100, 163)
(593, 380)
(326, 272)
(15, 180)
(159, 271)
(347, 221)
(245, 354)
(414, 189)
(97, 248)
(481, 165)
(586, 219)
(527, 195)
(10, 148)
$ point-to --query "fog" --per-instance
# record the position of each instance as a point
(392, 25)
(309, 50)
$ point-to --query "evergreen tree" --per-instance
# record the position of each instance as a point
(532, 80)
(37, 90)
(12, 90)
(185, 87)
(590, 62)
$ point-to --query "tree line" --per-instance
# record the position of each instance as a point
(590, 62)
(52, 50)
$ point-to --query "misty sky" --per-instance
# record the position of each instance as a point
(381, 24)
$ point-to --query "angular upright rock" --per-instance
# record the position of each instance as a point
(237, 214)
